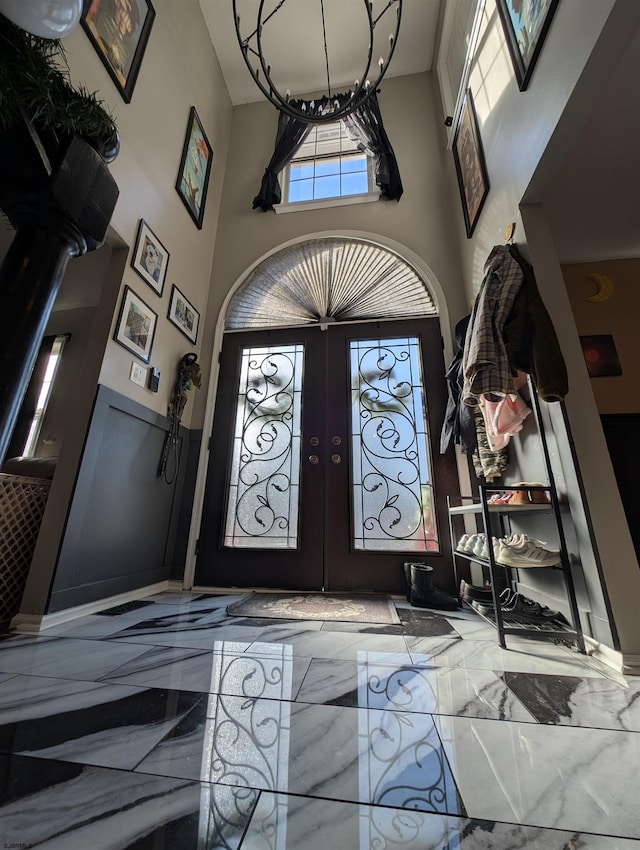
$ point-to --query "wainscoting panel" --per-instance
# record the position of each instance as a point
(123, 518)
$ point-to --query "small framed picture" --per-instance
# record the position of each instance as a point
(150, 258)
(471, 170)
(601, 356)
(525, 24)
(183, 314)
(195, 168)
(136, 325)
(119, 31)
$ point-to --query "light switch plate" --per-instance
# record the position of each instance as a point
(138, 374)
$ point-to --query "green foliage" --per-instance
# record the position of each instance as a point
(35, 84)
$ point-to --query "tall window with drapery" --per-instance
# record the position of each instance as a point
(364, 125)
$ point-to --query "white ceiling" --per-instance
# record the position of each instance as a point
(293, 43)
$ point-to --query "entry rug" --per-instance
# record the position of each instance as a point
(352, 608)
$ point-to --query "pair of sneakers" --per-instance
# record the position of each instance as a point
(516, 607)
(476, 544)
(522, 552)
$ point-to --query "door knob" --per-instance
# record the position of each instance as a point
(314, 441)
(314, 459)
(336, 440)
(336, 458)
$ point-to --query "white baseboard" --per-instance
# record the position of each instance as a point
(40, 622)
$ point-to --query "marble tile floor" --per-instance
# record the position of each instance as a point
(176, 726)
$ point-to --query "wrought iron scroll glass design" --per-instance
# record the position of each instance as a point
(262, 507)
(392, 491)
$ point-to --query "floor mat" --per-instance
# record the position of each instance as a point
(352, 608)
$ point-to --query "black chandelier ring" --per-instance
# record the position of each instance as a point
(329, 107)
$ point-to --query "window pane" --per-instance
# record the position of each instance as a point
(301, 190)
(327, 187)
(354, 163)
(264, 485)
(301, 170)
(354, 184)
(392, 491)
(326, 167)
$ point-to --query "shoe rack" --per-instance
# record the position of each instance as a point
(495, 520)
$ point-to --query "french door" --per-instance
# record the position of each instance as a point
(324, 468)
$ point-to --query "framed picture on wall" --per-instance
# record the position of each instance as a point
(150, 258)
(119, 31)
(601, 356)
(183, 314)
(195, 168)
(525, 24)
(471, 170)
(136, 325)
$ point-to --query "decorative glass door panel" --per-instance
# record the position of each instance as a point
(391, 480)
(264, 484)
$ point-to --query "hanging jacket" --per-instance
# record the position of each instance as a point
(530, 338)
(485, 362)
(458, 425)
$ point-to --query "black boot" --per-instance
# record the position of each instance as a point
(423, 594)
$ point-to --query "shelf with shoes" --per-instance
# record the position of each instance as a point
(509, 552)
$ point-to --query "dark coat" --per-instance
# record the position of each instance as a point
(458, 425)
(530, 338)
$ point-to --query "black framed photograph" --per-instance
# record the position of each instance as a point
(471, 169)
(119, 31)
(195, 168)
(136, 325)
(525, 24)
(183, 314)
(601, 356)
(150, 258)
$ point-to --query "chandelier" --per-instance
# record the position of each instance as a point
(329, 106)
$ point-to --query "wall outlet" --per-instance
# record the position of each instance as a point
(138, 374)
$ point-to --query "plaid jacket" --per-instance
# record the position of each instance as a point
(485, 363)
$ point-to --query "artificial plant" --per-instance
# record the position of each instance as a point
(35, 87)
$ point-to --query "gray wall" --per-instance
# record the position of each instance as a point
(123, 517)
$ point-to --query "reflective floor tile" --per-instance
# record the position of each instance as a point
(576, 701)
(522, 656)
(383, 757)
(286, 822)
(102, 724)
(342, 645)
(64, 657)
(552, 776)
(473, 693)
(61, 806)
(166, 667)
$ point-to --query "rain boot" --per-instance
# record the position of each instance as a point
(423, 594)
(407, 580)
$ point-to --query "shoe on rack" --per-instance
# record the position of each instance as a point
(461, 545)
(541, 496)
(526, 556)
(520, 541)
(481, 549)
(520, 497)
(523, 609)
(472, 542)
(472, 593)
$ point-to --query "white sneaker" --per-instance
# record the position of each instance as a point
(472, 542)
(461, 545)
(528, 555)
(520, 541)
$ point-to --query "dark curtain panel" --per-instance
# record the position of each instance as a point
(365, 125)
(291, 134)
(30, 401)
